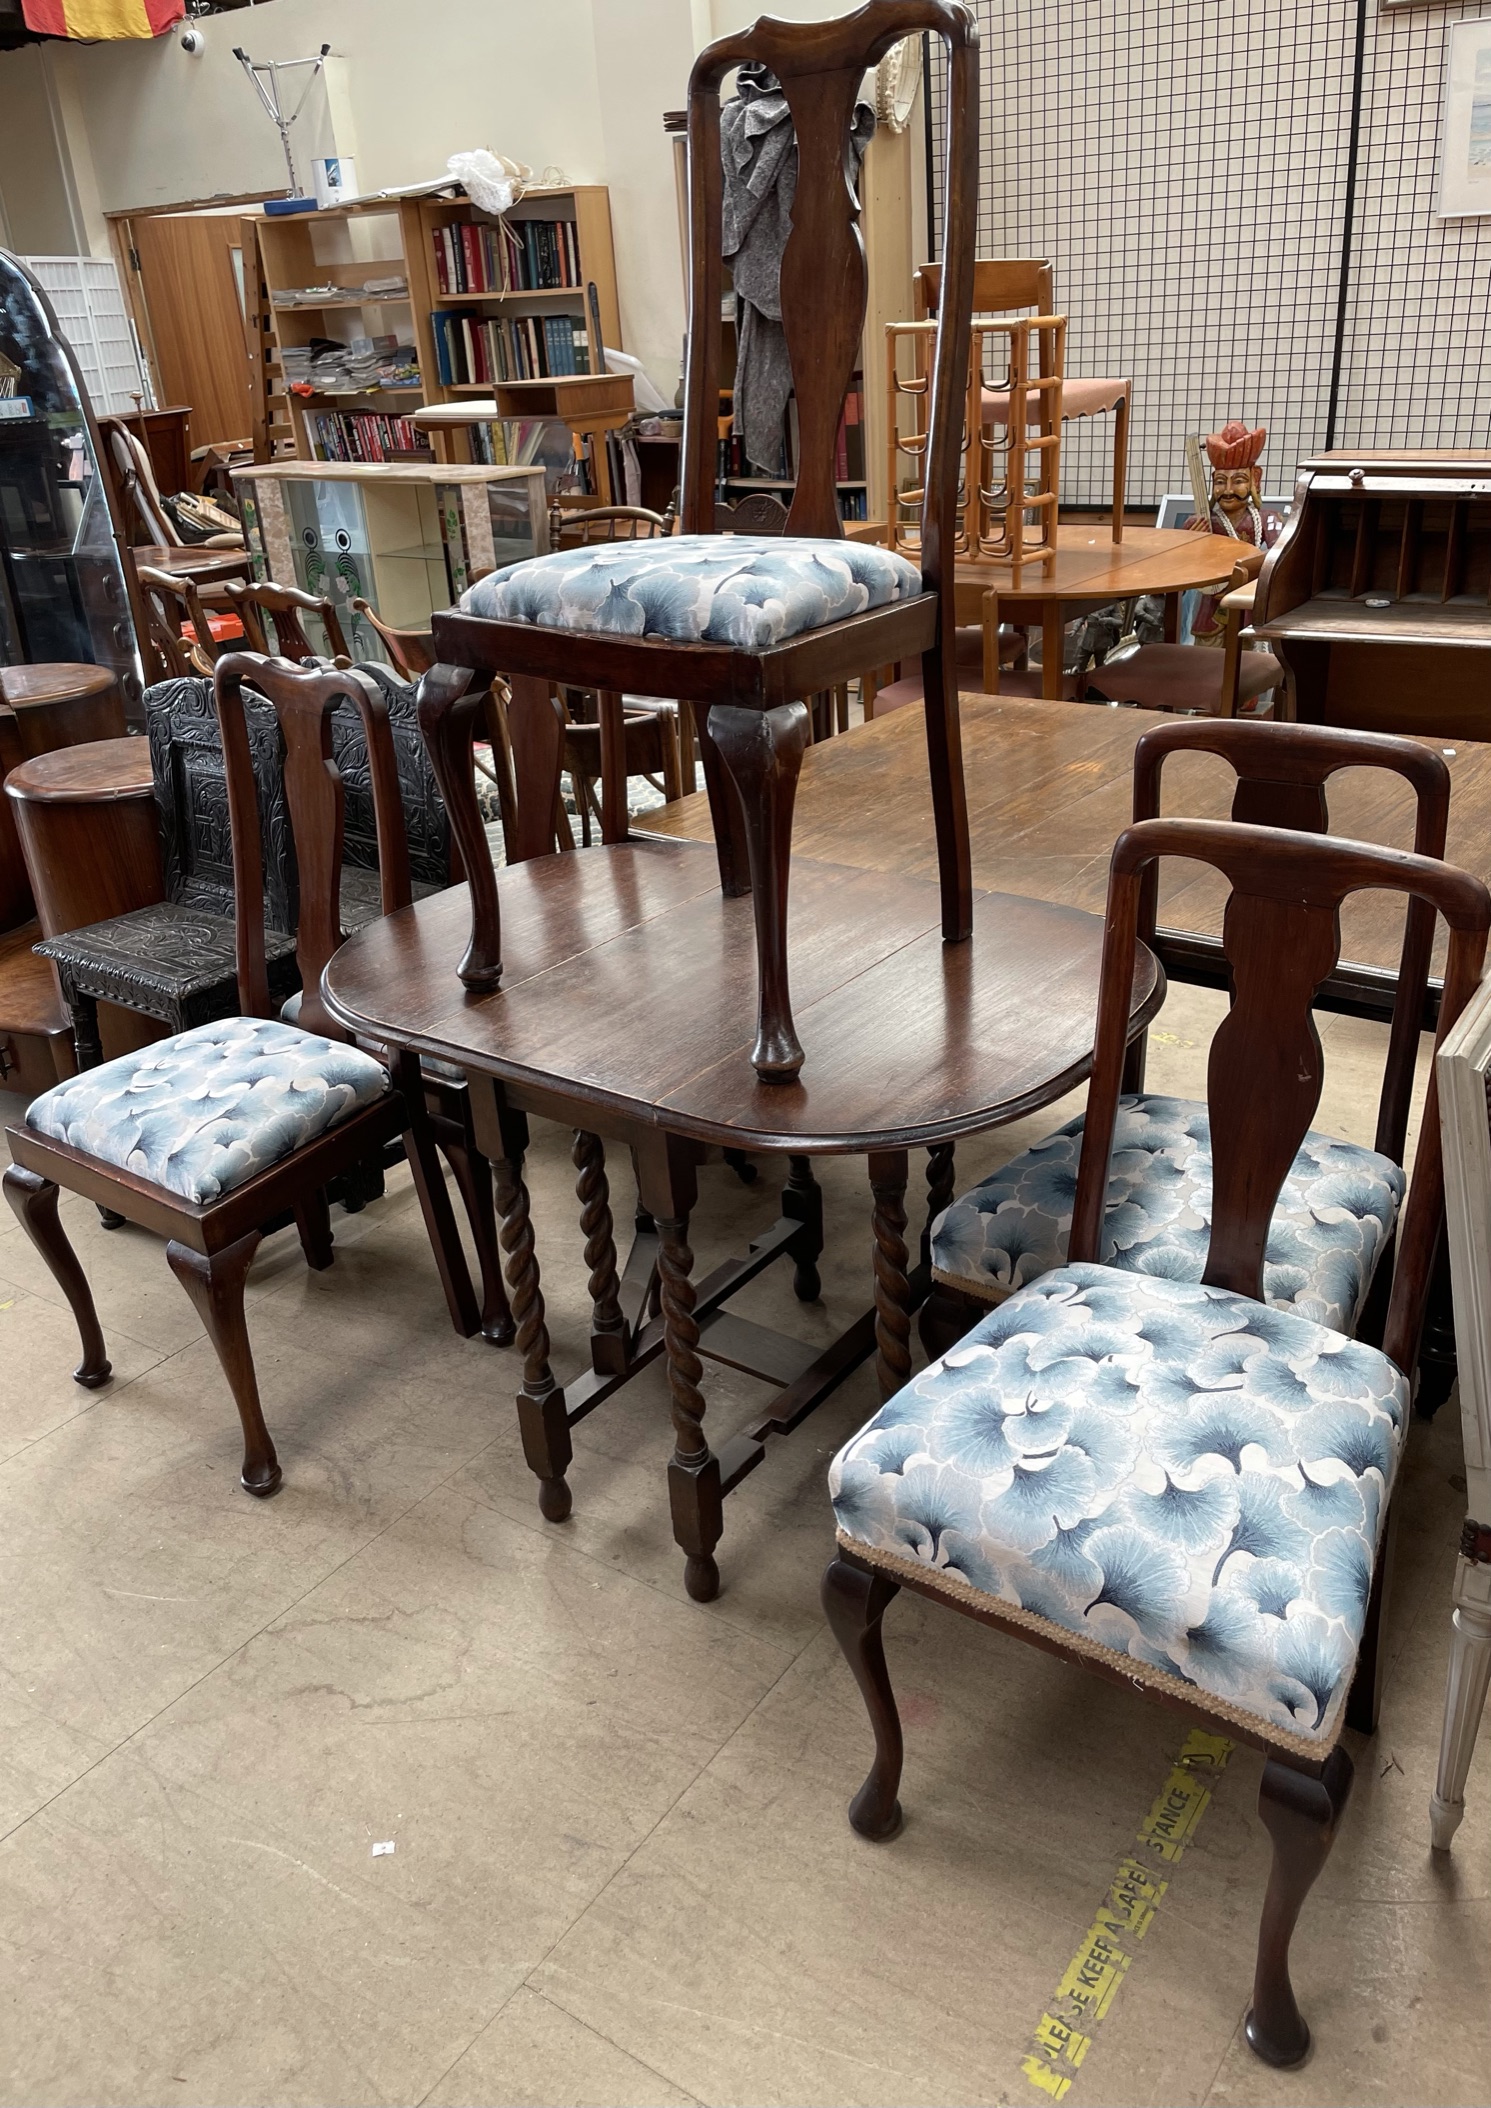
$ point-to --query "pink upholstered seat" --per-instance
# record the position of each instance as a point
(1182, 677)
(1078, 399)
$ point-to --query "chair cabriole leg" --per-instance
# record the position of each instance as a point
(854, 1603)
(215, 1287)
(34, 1200)
(1301, 1814)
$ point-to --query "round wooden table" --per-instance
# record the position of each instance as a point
(1090, 571)
(626, 1008)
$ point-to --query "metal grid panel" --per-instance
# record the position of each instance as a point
(1417, 371)
(1183, 164)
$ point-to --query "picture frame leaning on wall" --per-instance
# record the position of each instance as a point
(1465, 131)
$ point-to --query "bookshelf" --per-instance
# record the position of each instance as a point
(348, 274)
(371, 270)
(493, 316)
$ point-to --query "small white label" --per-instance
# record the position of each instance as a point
(381, 1851)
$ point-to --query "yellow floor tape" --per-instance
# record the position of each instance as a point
(1097, 1969)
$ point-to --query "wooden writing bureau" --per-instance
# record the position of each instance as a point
(1377, 595)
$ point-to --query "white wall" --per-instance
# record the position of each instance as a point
(580, 85)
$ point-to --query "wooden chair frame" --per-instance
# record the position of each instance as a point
(1282, 939)
(1004, 282)
(1282, 772)
(254, 598)
(752, 718)
(212, 1244)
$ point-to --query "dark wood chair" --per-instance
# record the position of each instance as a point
(1013, 1227)
(188, 636)
(255, 599)
(411, 650)
(1193, 680)
(1164, 1480)
(176, 959)
(747, 680)
(131, 1137)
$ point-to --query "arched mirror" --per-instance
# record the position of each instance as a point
(63, 593)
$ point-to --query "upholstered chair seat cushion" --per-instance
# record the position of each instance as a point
(751, 591)
(1078, 399)
(1146, 1469)
(202, 1112)
(1331, 1225)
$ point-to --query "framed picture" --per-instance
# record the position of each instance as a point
(1175, 509)
(1465, 136)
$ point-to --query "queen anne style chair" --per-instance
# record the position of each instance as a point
(205, 1137)
(1335, 1213)
(1172, 1481)
(745, 627)
(1464, 1068)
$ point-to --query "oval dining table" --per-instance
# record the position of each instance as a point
(626, 1010)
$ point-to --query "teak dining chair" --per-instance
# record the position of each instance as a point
(1167, 1480)
(744, 628)
(1004, 284)
(206, 1137)
(1321, 1259)
(1464, 1067)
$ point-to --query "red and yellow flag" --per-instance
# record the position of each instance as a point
(89, 20)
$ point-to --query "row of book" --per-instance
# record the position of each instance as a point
(478, 350)
(849, 447)
(506, 256)
(363, 435)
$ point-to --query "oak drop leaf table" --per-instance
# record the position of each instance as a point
(626, 1008)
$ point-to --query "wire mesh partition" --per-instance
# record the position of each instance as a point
(1184, 166)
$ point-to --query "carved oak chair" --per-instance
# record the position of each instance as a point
(744, 628)
(176, 960)
(1168, 1480)
(1464, 1068)
(206, 1137)
(1013, 1227)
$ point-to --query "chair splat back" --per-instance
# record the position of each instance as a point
(823, 279)
(304, 702)
(253, 599)
(1001, 285)
(1282, 773)
(1281, 935)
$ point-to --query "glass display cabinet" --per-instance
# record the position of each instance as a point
(63, 591)
(408, 537)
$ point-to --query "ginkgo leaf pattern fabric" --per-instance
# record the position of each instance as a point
(1181, 1475)
(1331, 1225)
(748, 590)
(207, 1109)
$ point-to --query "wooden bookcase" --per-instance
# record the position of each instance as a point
(342, 246)
(588, 206)
(378, 237)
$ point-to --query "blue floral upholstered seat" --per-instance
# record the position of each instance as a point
(1144, 1468)
(751, 591)
(1331, 1225)
(202, 1112)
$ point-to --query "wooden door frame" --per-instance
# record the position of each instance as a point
(122, 247)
